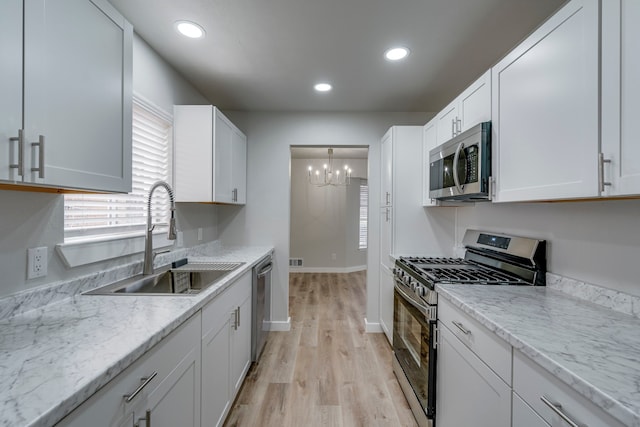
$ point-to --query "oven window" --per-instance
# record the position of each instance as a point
(410, 332)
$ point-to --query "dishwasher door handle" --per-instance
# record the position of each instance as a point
(266, 269)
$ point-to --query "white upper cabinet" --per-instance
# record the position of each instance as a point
(471, 107)
(10, 87)
(77, 97)
(620, 97)
(210, 156)
(429, 142)
(545, 110)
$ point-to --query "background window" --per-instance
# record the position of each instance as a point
(364, 203)
(95, 215)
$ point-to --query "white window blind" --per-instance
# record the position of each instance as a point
(95, 215)
(364, 204)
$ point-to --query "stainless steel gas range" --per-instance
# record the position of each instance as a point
(490, 259)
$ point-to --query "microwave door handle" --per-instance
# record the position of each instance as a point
(456, 158)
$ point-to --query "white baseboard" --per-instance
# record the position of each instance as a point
(327, 269)
(372, 327)
(280, 326)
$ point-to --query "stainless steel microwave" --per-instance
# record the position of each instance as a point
(460, 169)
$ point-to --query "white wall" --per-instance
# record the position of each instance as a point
(30, 219)
(325, 220)
(597, 242)
(265, 219)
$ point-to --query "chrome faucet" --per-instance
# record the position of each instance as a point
(148, 240)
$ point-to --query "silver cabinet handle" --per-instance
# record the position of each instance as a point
(557, 408)
(238, 322)
(458, 126)
(20, 140)
(601, 162)
(462, 328)
(453, 128)
(235, 319)
(387, 198)
(40, 145)
(145, 381)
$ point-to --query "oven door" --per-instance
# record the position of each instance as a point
(413, 337)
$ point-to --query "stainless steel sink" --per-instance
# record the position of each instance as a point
(189, 279)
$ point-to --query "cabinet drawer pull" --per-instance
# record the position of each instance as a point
(40, 145)
(145, 381)
(146, 419)
(453, 128)
(462, 328)
(557, 408)
(20, 140)
(238, 314)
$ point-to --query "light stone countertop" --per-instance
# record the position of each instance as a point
(54, 357)
(592, 349)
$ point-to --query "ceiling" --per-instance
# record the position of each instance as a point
(266, 55)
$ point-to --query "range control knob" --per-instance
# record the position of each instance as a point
(422, 291)
(414, 285)
(406, 278)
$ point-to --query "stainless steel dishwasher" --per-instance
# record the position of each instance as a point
(260, 306)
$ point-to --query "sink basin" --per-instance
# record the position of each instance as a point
(189, 279)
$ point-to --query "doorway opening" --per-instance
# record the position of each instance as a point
(329, 209)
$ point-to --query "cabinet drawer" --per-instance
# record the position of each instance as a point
(222, 305)
(532, 382)
(495, 352)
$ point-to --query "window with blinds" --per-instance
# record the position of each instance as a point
(102, 215)
(364, 204)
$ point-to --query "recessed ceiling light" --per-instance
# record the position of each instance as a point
(323, 87)
(396, 53)
(190, 29)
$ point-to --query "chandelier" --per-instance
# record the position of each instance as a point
(328, 176)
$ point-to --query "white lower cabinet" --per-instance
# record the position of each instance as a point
(162, 388)
(468, 392)
(226, 349)
(552, 400)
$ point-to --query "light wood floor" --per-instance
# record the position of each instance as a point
(326, 371)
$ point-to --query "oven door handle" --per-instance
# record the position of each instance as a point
(422, 308)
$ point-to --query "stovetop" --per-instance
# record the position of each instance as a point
(455, 270)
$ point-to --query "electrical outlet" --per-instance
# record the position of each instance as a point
(36, 262)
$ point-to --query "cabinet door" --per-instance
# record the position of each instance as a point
(223, 146)
(241, 344)
(176, 400)
(193, 142)
(386, 169)
(239, 167)
(429, 141)
(215, 375)
(77, 95)
(475, 103)
(10, 86)
(545, 110)
(386, 301)
(468, 392)
(446, 123)
(621, 96)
